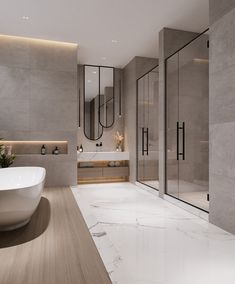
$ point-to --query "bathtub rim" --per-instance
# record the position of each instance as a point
(41, 180)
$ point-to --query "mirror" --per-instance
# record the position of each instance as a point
(93, 130)
(106, 97)
(99, 103)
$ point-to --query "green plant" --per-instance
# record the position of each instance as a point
(5, 159)
(1, 146)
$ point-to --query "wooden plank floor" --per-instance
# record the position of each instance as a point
(54, 248)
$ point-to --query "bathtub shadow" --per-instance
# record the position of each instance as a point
(37, 225)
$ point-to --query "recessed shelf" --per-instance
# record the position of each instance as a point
(34, 147)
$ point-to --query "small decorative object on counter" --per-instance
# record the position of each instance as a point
(97, 147)
(80, 149)
(119, 140)
(101, 147)
(111, 164)
(56, 151)
(117, 164)
(43, 150)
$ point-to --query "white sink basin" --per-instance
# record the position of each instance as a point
(102, 156)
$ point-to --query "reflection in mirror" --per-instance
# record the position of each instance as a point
(92, 128)
(106, 98)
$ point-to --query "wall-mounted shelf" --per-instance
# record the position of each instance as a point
(34, 147)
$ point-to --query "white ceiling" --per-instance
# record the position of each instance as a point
(93, 24)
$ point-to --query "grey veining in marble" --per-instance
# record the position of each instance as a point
(143, 239)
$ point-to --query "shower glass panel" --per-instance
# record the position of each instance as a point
(187, 88)
(147, 127)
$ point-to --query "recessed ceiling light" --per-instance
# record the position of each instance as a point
(94, 72)
(88, 81)
(114, 41)
(25, 17)
(103, 58)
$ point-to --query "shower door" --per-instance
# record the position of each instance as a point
(147, 129)
(187, 81)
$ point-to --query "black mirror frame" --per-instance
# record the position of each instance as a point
(105, 126)
(84, 92)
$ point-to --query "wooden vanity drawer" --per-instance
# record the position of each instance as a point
(116, 172)
(89, 172)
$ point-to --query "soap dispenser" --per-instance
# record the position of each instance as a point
(81, 149)
(56, 151)
(43, 150)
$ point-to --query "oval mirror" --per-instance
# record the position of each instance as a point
(106, 96)
(93, 130)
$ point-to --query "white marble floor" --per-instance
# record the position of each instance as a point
(143, 239)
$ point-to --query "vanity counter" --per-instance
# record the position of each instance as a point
(102, 156)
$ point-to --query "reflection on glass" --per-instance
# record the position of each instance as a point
(188, 103)
(106, 96)
(147, 127)
(92, 128)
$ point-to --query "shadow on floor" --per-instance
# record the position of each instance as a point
(37, 225)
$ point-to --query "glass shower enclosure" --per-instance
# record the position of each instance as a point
(187, 123)
(147, 129)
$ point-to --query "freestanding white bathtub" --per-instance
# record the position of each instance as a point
(20, 194)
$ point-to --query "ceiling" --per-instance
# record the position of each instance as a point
(132, 25)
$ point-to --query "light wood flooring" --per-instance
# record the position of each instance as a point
(54, 248)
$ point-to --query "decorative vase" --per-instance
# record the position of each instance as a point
(119, 148)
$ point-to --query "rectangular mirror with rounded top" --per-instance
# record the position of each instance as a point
(93, 130)
(106, 96)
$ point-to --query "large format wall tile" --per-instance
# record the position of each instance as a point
(218, 8)
(14, 114)
(48, 55)
(222, 117)
(222, 98)
(222, 154)
(52, 115)
(222, 43)
(222, 209)
(14, 83)
(14, 51)
(58, 85)
(38, 101)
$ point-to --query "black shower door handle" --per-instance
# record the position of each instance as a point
(183, 128)
(142, 133)
(178, 153)
(143, 141)
(147, 134)
(177, 140)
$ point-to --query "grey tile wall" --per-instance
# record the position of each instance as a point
(38, 93)
(218, 8)
(222, 117)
